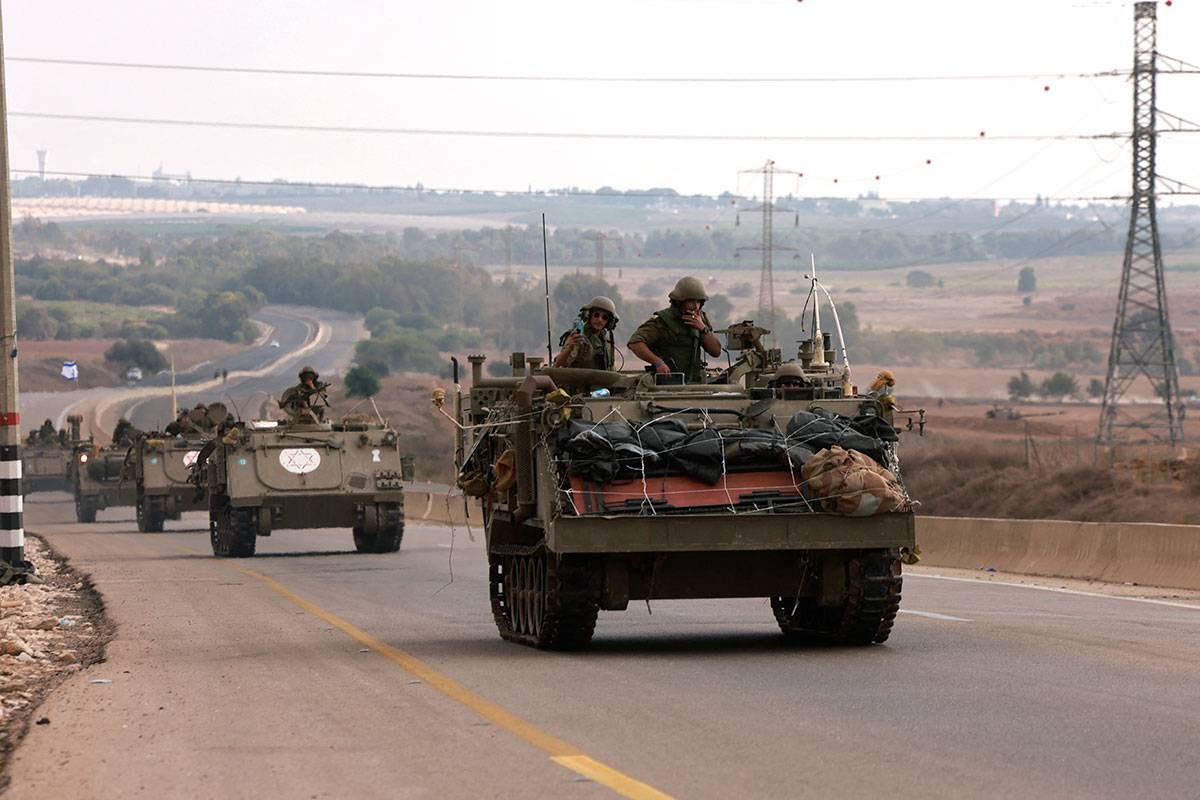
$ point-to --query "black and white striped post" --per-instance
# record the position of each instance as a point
(14, 568)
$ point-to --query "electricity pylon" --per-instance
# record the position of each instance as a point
(766, 280)
(1142, 344)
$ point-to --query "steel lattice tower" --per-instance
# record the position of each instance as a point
(766, 280)
(1141, 342)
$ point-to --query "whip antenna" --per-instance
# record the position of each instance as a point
(546, 270)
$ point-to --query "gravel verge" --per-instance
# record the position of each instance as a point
(48, 632)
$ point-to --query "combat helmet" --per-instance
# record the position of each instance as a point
(605, 304)
(688, 288)
(308, 370)
(790, 372)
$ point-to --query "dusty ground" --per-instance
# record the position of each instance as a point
(48, 631)
(1073, 293)
(41, 362)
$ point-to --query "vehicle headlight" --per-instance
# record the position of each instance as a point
(83, 458)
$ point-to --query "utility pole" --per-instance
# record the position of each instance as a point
(766, 280)
(13, 566)
(1142, 344)
(508, 273)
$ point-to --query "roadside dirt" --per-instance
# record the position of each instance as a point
(48, 632)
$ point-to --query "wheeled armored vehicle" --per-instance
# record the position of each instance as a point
(265, 475)
(601, 488)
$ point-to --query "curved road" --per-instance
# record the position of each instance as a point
(311, 671)
(318, 336)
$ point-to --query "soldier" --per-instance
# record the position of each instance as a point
(589, 345)
(179, 425)
(306, 401)
(46, 433)
(789, 376)
(125, 434)
(671, 340)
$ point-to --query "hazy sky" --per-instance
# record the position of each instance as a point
(682, 39)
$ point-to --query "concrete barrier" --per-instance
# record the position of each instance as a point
(1117, 552)
(438, 507)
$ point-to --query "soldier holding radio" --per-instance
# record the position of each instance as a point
(589, 343)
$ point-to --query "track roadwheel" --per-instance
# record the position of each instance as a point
(543, 600)
(149, 514)
(85, 508)
(868, 608)
(390, 530)
(233, 531)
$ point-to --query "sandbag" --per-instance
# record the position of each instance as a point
(851, 483)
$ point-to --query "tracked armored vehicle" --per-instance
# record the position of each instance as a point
(97, 479)
(602, 488)
(46, 463)
(266, 475)
(159, 466)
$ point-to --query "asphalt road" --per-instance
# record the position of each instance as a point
(256, 375)
(311, 671)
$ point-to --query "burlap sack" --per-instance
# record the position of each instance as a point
(848, 482)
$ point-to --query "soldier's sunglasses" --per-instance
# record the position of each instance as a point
(604, 315)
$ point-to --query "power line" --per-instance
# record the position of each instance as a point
(665, 137)
(445, 76)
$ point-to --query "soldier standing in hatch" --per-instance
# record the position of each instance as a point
(672, 339)
(306, 401)
(125, 434)
(591, 348)
(46, 433)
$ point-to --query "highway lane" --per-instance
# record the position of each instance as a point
(984, 690)
(271, 370)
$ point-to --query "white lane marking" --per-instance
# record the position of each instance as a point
(1058, 590)
(934, 615)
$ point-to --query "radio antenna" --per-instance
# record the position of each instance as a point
(546, 270)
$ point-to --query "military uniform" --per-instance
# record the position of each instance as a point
(305, 404)
(594, 351)
(675, 342)
(125, 434)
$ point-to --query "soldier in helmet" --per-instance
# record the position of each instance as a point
(306, 401)
(47, 434)
(180, 425)
(589, 345)
(789, 376)
(124, 434)
(672, 339)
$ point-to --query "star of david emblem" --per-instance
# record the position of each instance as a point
(299, 460)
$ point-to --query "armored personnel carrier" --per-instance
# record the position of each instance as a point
(772, 480)
(266, 475)
(159, 466)
(97, 478)
(46, 460)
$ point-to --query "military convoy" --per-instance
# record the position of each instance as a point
(265, 475)
(602, 488)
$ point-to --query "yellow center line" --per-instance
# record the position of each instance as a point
(561, 752)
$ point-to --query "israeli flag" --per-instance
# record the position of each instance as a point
(70, 371)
